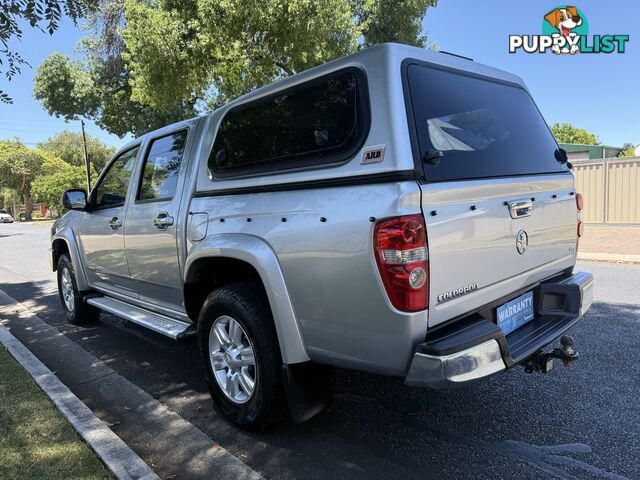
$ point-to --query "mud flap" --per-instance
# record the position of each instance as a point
(308, 389)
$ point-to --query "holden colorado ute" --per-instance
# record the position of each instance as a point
(397, 211)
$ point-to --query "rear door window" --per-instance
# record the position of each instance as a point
(483, 128)
(322, 121)
(161, 167)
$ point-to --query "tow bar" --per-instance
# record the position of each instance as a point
(543, 361)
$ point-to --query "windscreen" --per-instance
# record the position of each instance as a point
(482, 128)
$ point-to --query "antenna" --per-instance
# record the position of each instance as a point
(456, 55)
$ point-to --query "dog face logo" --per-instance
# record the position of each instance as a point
(564, 20)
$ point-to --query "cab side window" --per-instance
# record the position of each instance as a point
(112, 190)
(321, 122)
(161, 167)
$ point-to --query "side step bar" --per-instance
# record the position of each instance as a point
(170, 327)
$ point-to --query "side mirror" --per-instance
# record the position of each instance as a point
(75, 199)
(561, 155)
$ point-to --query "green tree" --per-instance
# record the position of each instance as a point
(72, 89)
(392, 21)
(60, 77)
(68, 146)
(57, 176)
(19, 166)
(42, 14)
(153, 62)
(566, 133)
(9, 198)
(628, 150)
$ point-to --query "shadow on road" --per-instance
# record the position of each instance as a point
(567, 424)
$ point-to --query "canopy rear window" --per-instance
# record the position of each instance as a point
(483, 128)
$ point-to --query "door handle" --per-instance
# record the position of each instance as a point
(520, 208)
(163, 221)
(115, 223)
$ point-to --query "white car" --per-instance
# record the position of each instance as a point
(5, 217)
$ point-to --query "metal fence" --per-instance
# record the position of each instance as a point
(611, 190)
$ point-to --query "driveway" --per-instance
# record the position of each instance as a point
(581, 422)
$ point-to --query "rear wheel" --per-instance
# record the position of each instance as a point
(75, 309)
(240, 356)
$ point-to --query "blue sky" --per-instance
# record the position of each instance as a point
(598, 92)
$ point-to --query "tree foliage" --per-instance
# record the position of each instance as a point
(628, 150)
(19, 166)
(217, 50)
(8, 199)
(99, 87)
(232, 45)
(71, 90)
(42, 14)
(68, 146)
(60, 78)
(566, 133)
(392, 21)
(56, 177)
(153, 62)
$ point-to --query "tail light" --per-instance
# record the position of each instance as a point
(579, 225)
(400, 245)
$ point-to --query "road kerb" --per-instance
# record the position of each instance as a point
(123, 462)
(609, 257)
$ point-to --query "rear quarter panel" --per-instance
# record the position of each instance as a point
(340, 304)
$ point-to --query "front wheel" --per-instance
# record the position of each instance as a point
(241, 357)
(75, 309)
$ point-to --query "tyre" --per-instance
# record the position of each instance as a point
(241, 357)
(75, 309)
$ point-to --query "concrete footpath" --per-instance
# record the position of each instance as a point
(610, 244)
(177, 448)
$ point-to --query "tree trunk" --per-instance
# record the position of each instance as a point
(28, 206)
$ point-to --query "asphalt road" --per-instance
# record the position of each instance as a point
(582, 422)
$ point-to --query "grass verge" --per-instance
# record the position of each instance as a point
(36, 441)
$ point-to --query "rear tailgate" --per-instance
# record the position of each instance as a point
(473, 253)
(485, 146)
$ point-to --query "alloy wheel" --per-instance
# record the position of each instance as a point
(232, 359)
(67, 290)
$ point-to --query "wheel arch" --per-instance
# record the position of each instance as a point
(64, 241)
(228, 258)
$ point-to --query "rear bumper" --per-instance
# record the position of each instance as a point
(475, 347)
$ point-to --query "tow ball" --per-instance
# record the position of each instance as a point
(543, 361)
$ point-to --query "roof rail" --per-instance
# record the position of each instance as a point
(456, 55)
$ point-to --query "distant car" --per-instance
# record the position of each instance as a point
(5, 217)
